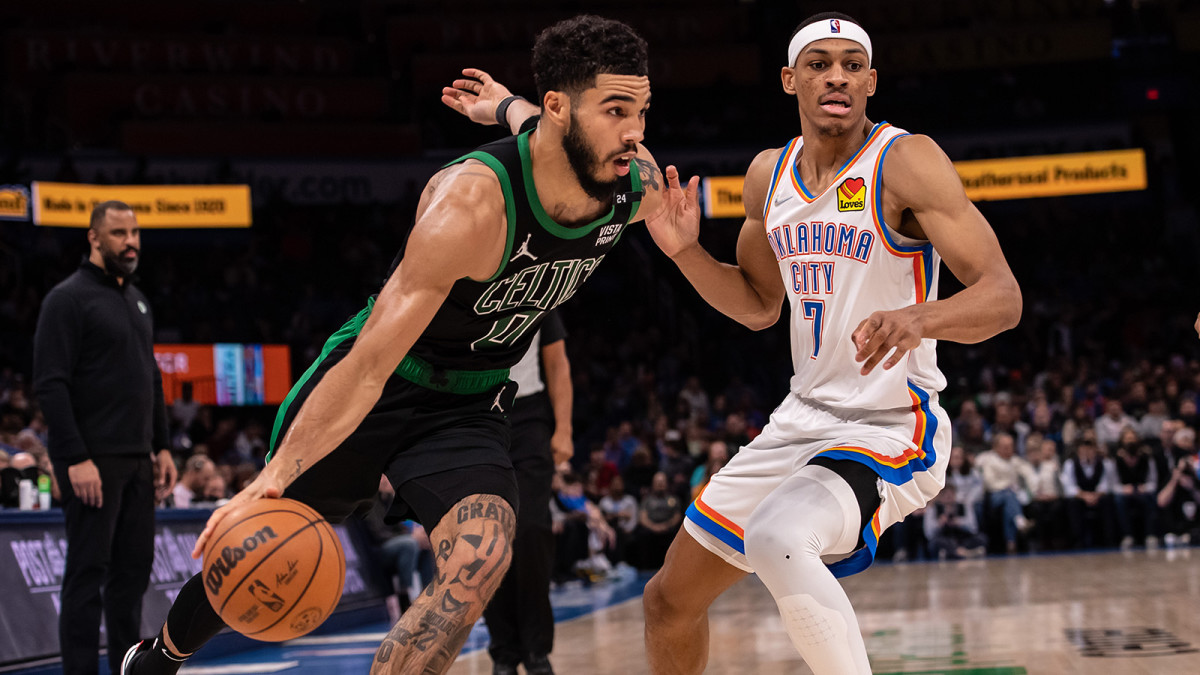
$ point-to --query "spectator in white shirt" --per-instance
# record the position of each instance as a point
(1047, 510)
(1089, 481)
(1008, 480)
(190, 488)
(621, 512)
(1110, 424)
(1151, 423)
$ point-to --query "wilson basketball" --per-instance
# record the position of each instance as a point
(274, 571)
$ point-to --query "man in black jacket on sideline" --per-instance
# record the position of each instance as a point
(101, 391)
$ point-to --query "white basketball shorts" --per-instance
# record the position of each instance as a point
(908, 447)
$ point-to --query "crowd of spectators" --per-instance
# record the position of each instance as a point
(1067, 464)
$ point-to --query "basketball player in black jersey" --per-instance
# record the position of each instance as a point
(416, 385)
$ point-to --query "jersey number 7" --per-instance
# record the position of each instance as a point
(814, 310)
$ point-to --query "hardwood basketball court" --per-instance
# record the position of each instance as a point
(1123, 613)
(1118, 613)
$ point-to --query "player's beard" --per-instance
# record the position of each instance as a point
(585, 163)
(116, 265)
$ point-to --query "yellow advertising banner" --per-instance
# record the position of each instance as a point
(994, 179)
(1053, 175)
(723, 197)
(14, 202)
(161, 206)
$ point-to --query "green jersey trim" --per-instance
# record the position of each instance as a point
(510, 209)
(635, 178)
(420, 372)
(535, 204)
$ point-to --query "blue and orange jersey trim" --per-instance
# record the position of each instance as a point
(899, 470)
(717, 525)
(810, 197)
(895, 470)
(779, 164)
(922, 256)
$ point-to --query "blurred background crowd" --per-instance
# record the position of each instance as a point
(1076, 429)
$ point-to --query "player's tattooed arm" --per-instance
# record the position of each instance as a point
(649, 173)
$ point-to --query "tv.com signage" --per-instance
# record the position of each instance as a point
(71, 204)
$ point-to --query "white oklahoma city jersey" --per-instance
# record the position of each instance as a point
(840, 262)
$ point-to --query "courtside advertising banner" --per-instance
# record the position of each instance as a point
(723, 197)
(1053, 175)
(14, 202)
(33, 548)
(162, 206)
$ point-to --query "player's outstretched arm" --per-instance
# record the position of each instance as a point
(749, 292)
(918, 176)
(477, 95)
(463, 203)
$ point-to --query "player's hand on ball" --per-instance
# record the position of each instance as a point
(676, 225)
(882, 332)
(265, 486)
(475, 95)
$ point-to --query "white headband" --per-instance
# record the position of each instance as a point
(822, 30)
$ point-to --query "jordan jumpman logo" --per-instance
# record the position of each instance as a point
(524, 250)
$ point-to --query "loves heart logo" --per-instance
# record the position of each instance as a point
(852, 195)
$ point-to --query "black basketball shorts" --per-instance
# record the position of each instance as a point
(436, 448)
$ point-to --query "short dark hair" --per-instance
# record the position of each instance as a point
(825, 16)
(101, 210)
(570, 54)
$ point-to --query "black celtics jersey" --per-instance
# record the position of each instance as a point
(489, 325)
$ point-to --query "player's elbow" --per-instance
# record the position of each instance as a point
(1011, 307)
(759, 320)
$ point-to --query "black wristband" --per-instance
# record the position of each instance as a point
(502, 109)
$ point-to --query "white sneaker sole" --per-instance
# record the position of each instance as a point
(129, 657)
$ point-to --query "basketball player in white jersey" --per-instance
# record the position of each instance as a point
(849, 221)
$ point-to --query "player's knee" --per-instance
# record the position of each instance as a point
(479, 552)
(654, 604)
(662, 607)
(771, 542)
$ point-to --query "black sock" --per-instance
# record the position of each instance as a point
(154, 658)
(159, 644)
(191, 622)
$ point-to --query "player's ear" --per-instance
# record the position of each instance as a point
(557, 107)
(872, 82)
(787, 77)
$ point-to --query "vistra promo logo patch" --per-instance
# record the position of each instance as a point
(852, 195)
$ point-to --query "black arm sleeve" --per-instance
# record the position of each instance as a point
(56, 347)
